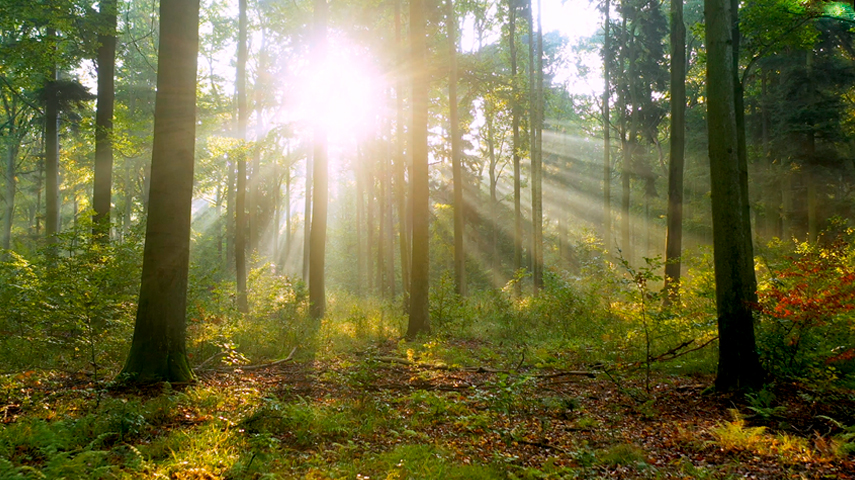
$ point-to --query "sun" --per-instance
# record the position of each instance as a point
(343, 94)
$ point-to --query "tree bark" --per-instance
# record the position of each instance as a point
(515, 126)
(307, 217)
(674, 240)
(103, 182)
(419, 318)
(456, 170)
(607, 144)
(158, 351)
(400, 167)
(51, 155)
(318, 240)
(739, 366)
(240, 198)
(537, 164)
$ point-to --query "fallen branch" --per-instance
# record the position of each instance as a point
(542, 445)
(250, 367)
(568, 373)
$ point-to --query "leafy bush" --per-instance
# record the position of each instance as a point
(807, 325)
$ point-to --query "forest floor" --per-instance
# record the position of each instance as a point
(378, 415)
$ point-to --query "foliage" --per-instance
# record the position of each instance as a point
(806, 308)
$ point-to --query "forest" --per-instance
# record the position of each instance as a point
(427, 239)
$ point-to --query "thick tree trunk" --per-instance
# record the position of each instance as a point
(739, 366)
(158, 350)
(103, 182)
(419, 321)
(318, 240)
(673, 246)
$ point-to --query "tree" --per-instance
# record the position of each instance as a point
(158, 351)
(515, 112)
(400, 167)
(457, 171)
(317, 251)
(673, 244)
(607, 146)
(537, 158)
(103, 184)
(419, 319)
(739, 365)
(240, 194)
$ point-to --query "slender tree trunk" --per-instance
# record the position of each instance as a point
(494, 196)
(515, 126)
(307, 217)
(369, 225)
(389, 215)
(277, 214)
(607, 146)
(52, 155)
(739, 366)
(231, 234)
(537, 163)
(419, 321)
(457, 171)
(103, 183)
(360, 218)
(158, 351)
(9, 210)
(626, 154)
(401, 166)
(240, 201)
(317, 292)
(287, 255)
(381, 237)
(673, 247)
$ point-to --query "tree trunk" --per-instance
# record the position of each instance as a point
(240, 200)
(607, 146)
(494, 196)
(231, 236)
(401, 167)
(158, 350)
(515, 126)
(307, 217)
(673, 247)
(739, 366)
(389, 216)
(360, 215)
(9, 211)
(419, 318)
(537, 164)
(103, 182)
(51, 156)
(626, 149)
(457, 171)
(369, 223)
(318, 240)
